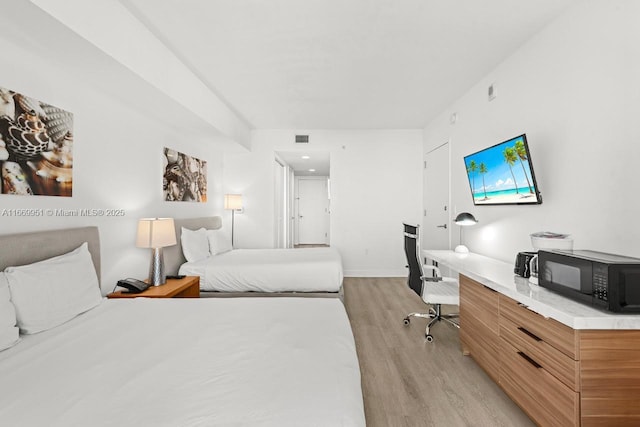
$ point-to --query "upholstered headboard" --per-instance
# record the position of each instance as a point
(173, 257)
(27, 248)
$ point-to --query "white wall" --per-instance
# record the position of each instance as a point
(376, 183)
(118, 140)
(575, 90)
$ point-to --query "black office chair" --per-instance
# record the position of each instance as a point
(433, 289)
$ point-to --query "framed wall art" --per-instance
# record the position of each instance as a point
(36, 147)
(185, 177)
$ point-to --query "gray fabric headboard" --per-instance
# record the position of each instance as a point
(173, 257)
(27, 248)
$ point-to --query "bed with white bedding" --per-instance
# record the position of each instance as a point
(188, 362)
(242, 272)
(172, 362)
(269, 270)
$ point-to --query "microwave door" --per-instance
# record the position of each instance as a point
(572, 279)
(629, 288)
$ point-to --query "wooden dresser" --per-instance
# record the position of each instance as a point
(563, 363)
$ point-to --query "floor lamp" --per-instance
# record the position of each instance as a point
(232, 202)
(465, 219)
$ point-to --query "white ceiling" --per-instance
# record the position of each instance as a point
(342, 64)
(319, 161)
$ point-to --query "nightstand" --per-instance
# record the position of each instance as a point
(188, 287)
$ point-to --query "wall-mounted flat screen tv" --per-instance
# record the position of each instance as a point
(503, 174)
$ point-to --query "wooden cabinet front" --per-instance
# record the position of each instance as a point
(537, 368)
(550, 331)
(558, 364)
(541, 395)
(610, 378)
(479, 326)
(558, 375)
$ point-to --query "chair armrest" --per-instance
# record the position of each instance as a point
(433, 268)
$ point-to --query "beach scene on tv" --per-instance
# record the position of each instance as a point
(502, 174)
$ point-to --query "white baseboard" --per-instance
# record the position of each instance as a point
(376, 273)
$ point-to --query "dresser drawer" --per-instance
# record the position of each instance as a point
(481, 303)
(551, 359)
(552, 332)
(547, 400)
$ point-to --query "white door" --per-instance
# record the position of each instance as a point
(313, 211)
(436, 225)
(279, 237)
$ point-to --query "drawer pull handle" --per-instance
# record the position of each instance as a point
(526, 306)
(488, 288)
(532, 335)
(530, 360)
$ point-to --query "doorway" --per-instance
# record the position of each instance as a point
(436, 232)
(312, 221)
(304, 198)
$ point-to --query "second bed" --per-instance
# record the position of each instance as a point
(308, 271)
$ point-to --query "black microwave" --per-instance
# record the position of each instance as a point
(607, 281)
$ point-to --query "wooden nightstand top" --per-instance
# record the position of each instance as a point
(188, 287)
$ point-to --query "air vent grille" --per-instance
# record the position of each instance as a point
(302, 139)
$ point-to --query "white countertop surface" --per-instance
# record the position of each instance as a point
(499, 276)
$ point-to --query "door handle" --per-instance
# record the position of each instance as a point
(442, 226)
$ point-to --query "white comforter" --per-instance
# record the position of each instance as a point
(188, 362)
(269, 270)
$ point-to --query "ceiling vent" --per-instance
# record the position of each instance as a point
(302, 139)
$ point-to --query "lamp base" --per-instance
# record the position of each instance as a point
(461, 249)
(156, 268)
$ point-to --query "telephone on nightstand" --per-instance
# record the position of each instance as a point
(133, 286)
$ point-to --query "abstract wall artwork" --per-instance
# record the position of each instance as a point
(185, 177)
(36, 147)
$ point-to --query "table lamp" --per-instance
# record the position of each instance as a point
(156, 233)
(464, 219)
(232, 202)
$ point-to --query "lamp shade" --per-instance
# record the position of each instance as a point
(465, 219)
(156, 233)
(233, 201)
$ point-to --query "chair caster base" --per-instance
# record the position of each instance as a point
(429, 337)
(406, 321)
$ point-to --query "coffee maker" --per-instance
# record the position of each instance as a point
(527, 262)
(523, 265)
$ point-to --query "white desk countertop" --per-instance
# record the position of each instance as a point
(499, 276)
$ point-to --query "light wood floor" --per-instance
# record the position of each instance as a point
(407, 381)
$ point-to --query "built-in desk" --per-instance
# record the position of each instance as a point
(563, 362)
(498, 275)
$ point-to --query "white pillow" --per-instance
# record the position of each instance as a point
(9, 333)
(219, 242)
(195, 245)
(49, 293)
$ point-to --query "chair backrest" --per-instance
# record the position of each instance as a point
(412, 252)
